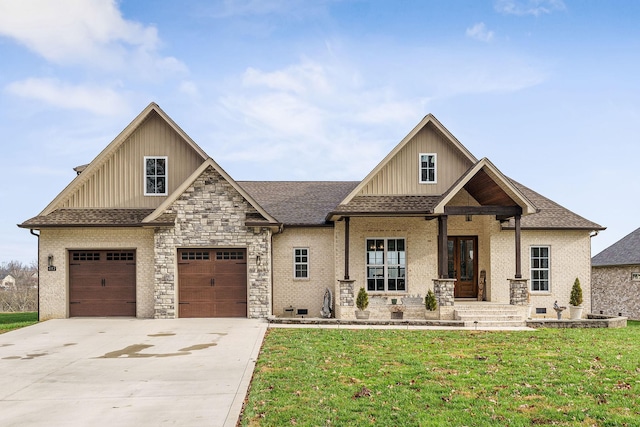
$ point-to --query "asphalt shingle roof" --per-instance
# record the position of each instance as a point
(96, 218)
(298, 202)
(550, 215)
(625, 251)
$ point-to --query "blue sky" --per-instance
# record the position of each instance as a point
(548, 90)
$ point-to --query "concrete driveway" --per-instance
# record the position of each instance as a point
(128, 372)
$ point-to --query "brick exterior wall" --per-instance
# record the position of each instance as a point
(302, 293)
(54, 285)
(614, 292)
(570, 253)
(211, 214)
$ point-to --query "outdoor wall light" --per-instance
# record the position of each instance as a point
(50, 265)
(258, 259)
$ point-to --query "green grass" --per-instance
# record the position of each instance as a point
(340, 377)
(11, 321)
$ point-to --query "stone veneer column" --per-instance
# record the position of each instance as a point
(443, 290)
(346, 299)
(518, 292)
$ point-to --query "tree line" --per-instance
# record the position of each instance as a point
(18, 286)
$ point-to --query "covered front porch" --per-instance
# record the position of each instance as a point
(398, 248)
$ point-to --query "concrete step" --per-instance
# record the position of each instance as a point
(482, 324)
(487, 317)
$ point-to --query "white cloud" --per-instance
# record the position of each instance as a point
(529, 7)
(479, 32)
(99, 100)
(228, 8)
(84, 32)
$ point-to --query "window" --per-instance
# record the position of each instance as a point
(428, 168)
(540, 268)
(301, 263)
(386, 265)
(155, 176)
(635, 277)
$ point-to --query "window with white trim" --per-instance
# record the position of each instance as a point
(386, 265)
(155, 176)
(301, 263)
(428, 168)
(540, 263)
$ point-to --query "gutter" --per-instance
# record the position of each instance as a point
(38, 285)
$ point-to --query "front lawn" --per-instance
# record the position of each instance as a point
(10, 321)
(340, 377)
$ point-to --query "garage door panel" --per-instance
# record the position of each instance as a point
(102, 283)
(92, 308)
(212, 282)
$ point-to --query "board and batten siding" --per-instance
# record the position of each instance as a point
(401, 174)
(119, 181)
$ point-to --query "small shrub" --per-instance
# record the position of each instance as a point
(576, 294)
(430, 302)
(362, 301)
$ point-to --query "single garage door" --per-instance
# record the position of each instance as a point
(212, 283)
(102, 283)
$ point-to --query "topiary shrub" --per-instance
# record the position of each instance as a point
(430, 302)
(362, 300)
(576, 294)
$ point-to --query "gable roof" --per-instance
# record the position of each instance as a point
(96, 163)
(209, 163)
(484, 178)
(625, 251)
(428, 119)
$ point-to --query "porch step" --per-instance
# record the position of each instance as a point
(489, 315)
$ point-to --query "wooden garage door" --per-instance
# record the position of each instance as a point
(102, 283)
(212, 283)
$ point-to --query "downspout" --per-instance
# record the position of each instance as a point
(38, 264)
(592, 234)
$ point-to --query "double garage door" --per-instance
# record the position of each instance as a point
(212, 283)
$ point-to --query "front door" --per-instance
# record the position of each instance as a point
(463, 265)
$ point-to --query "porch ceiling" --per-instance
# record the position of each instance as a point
(487, 192)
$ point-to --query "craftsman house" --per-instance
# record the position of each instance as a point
(615, 278)
(155, 228)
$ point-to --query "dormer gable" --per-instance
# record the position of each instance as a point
(144, 164)
(427, 162)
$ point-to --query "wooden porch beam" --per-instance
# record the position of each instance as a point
(502, 211)
(346, 247)
(518, 249)
(442, 247)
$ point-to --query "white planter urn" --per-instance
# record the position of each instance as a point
(575, 312)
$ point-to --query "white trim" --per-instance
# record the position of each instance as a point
(635, 277)
(435, 168)
(166, 175)
(301, 263)
(543, 291)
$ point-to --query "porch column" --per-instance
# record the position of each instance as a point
(442, 247)
(518, 249)
(346, 247)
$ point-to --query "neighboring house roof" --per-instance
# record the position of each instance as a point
(298, 202)
(625, 251)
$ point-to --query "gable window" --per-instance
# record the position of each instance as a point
(428, 168)
(155, 176)
(301, 263)
(540, 262)
(386, 265)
